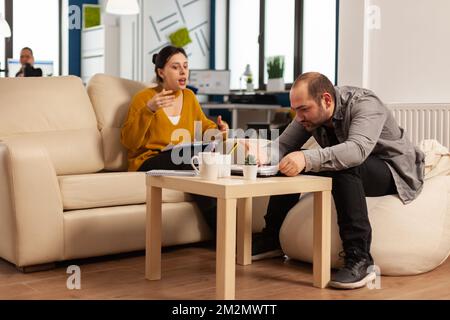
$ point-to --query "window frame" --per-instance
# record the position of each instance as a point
(298, 41)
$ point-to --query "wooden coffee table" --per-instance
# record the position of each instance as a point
(232, 192)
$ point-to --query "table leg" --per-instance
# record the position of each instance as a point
(244, 232)
(322, 239)
(226, 249)
(153, 234)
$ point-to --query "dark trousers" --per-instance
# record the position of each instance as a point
(206, 205)
(162, 161)
(372, 178)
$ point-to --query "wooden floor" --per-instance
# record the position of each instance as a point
(189, 273)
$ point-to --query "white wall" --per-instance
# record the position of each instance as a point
(351, 43)
(243, 41)
(2, 41)
(409, 57)
(128, 47)
(65, 38)
(221, 35)
(131, 46)
(146, 34)
(319, 37)
(402, 54)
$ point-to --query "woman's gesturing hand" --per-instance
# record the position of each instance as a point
(164, 99)
(222, 125)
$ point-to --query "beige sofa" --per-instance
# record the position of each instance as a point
(64, 189)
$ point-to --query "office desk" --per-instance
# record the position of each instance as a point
(235, 107)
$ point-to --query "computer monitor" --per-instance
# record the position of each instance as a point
(210, 82)
(46, 66)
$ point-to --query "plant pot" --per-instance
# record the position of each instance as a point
(275, 85)
(250, 87)
(250, 172)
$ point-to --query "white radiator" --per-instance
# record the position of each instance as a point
(424, 121)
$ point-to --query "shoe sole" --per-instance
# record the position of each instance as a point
(354, 285)
(267, 255)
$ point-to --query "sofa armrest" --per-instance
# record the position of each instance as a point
(31, 211)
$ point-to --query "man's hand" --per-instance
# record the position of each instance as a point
(222, 125)
(292, 164)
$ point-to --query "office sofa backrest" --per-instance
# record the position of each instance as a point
(57, 114)
(111, 97)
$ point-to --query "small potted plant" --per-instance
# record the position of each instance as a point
(250, 167)
(275, 70)
(250, 87)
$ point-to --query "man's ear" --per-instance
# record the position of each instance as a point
(328, 100)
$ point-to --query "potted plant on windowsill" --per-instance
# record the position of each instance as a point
(250, 168)
(275, 70)
(250, 87)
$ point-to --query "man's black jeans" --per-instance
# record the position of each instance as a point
(372, 178)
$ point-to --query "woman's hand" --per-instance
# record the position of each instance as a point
(222, 125)
(164, 99)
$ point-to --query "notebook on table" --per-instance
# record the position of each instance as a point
(263, 171)
(181, 173)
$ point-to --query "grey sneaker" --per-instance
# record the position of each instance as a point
(355, 272)
(265, 246)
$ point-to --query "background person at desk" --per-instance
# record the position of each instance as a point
(155, 113)
(27, 63)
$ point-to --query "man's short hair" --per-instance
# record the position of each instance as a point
(317, 84)
(27, 48)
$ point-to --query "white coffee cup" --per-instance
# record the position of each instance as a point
(208, 163)
(224, 161)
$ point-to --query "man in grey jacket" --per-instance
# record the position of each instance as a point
(364, 151)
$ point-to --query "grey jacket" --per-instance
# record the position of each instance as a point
(364, 126)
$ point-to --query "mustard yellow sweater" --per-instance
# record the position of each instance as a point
(145, 133)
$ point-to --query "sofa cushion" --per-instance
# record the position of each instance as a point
(56, 113)
(109, 189)
(111, 97)
(104, 231)
(407, 239)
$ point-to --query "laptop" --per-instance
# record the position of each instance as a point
(263, 171)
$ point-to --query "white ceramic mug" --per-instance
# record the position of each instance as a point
(224, 161)
(208, 163)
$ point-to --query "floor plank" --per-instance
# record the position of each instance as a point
(188, 272)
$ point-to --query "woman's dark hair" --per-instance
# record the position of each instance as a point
(160, 59)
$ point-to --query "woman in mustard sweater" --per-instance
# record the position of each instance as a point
(155, 113)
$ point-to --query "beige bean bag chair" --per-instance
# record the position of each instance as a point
(407, 239)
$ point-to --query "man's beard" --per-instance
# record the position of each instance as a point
(310, 127)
